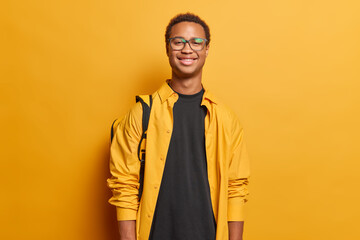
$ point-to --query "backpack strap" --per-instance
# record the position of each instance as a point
(113, 128)
(146, 102)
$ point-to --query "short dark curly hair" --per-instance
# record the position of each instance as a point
(187, 17)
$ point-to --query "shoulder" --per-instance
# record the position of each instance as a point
(227, 114)
(136, 109)
(134, 113)
(132, 120)
(156, 96)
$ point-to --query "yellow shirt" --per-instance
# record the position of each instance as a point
(227, 162)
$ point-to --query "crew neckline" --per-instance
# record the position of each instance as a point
(189, 96)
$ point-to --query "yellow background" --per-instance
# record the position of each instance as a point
(290, 70)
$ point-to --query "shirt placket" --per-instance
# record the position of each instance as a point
(211, 160)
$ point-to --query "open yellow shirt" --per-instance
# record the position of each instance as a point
(227, 162)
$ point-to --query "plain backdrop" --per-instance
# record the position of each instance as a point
(289, 69)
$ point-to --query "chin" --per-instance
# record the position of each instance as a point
(187, 74)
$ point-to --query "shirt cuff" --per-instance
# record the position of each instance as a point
(123, 214)
(236, 209)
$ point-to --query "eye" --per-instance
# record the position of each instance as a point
(177, 41)
(197, 41)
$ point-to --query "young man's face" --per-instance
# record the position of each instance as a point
(187, 62)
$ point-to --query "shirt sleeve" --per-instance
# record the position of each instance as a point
(125, 165)
(239, 174)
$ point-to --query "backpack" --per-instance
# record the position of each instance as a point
(146, 103)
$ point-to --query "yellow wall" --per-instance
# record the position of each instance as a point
(290, 69)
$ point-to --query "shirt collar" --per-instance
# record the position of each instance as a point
(166, 91)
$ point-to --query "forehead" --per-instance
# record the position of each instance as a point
(187, 30)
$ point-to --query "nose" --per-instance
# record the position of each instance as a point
(187, 48)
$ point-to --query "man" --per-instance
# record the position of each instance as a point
(196, 168)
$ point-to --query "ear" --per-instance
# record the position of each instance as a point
(207, 49)
(167, 50)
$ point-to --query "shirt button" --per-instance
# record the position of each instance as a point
(149, 216)
(168, 131)
(161, 158)
(155, 187)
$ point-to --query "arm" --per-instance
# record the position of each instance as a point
(236, 230)
(238, 180)
(124, 169)
(127, 230)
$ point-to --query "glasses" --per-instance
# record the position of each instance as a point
(178, 43)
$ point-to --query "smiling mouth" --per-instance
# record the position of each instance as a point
(187, 61)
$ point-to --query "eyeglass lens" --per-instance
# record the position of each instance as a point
(196, 44)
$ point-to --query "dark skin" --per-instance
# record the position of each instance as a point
(127, 229)
(186, 79)
(236, 230)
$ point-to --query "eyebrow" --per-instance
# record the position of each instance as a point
(184, 38)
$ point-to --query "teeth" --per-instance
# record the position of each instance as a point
(187, 59)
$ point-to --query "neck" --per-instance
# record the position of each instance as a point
(186, 85)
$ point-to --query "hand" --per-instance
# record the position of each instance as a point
(236, 230)
(127, 230)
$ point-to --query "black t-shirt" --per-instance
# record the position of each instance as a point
(183, 210)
